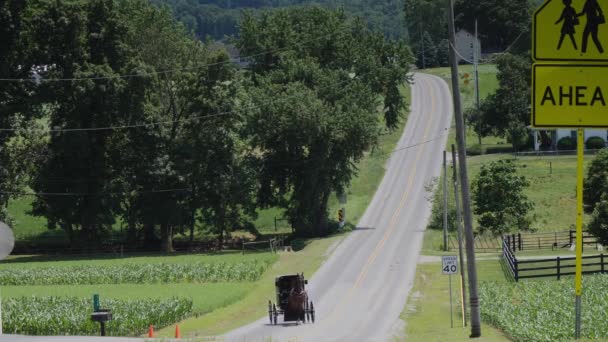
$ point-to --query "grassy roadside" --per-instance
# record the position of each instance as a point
(427, 313)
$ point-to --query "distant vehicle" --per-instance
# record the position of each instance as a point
(292, 300)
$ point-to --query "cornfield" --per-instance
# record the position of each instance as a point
(135, 273)
(71, 315)
(544, 310)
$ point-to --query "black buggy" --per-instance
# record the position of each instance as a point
(292, 300)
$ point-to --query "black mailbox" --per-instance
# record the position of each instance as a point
(102, 316)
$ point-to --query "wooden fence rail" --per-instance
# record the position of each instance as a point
(549, 267)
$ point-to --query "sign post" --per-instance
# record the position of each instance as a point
(570, 87)
(449, 266)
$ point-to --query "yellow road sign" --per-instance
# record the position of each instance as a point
(569, 95)
(570, 30)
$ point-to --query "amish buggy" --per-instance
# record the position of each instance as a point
(292, 300)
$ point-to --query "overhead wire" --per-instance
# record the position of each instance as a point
(300, 162)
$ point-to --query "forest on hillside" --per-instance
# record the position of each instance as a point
(219, 18)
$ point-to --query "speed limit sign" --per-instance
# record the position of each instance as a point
(449, 264)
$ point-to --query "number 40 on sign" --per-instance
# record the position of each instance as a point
(449, 264)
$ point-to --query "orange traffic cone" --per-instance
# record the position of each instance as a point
(151, 331)
(177, 334)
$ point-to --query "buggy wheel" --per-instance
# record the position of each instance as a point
(270, 311)
(306, 311)
(312, 312)
(275, 314)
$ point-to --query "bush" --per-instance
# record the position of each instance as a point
(566, 143)
(71, 315)
(595, 143)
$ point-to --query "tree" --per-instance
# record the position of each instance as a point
(507, 112)
(500, 202)
(596, 182)
(598, 226)
(428, 38)
(82, 41)
(15, 97)
(500, 23)
(317, 104)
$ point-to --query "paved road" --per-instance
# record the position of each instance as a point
(360, 291)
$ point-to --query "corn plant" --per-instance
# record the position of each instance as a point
(71, 315)
(544, 310)
(135, 273)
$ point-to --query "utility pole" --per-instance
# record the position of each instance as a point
(422, 42)
(464, 184)
(459, 228)
(445, 202)
(477, 49)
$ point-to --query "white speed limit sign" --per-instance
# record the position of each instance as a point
(449, 264)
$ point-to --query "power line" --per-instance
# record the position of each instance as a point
(300, 162)
(155, 123)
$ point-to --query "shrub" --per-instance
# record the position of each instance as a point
(566, 143)
(595, 143)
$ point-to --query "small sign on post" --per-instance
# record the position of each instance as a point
(449, 266)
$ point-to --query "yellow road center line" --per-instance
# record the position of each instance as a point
(393, 221)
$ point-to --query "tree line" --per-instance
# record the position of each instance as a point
(500, 24)
(110, 111)
(220, 18)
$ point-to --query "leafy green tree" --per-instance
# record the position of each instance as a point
(500, 23)
(318, 104)
(198, 148)
(598, 226)
(15, 106)
(596, 181)
(82, 41)
(507, 112)
(427, 37)
(500, 202)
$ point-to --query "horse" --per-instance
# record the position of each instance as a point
(298, 298)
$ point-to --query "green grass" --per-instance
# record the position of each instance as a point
(427, 313)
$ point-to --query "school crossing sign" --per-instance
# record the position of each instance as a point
(570, 76)
(570, 30)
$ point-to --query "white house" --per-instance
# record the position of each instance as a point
(465, 45)
(557, 134)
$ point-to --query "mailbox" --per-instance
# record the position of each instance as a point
(102, 316)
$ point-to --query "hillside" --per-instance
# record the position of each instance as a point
(219, 18)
